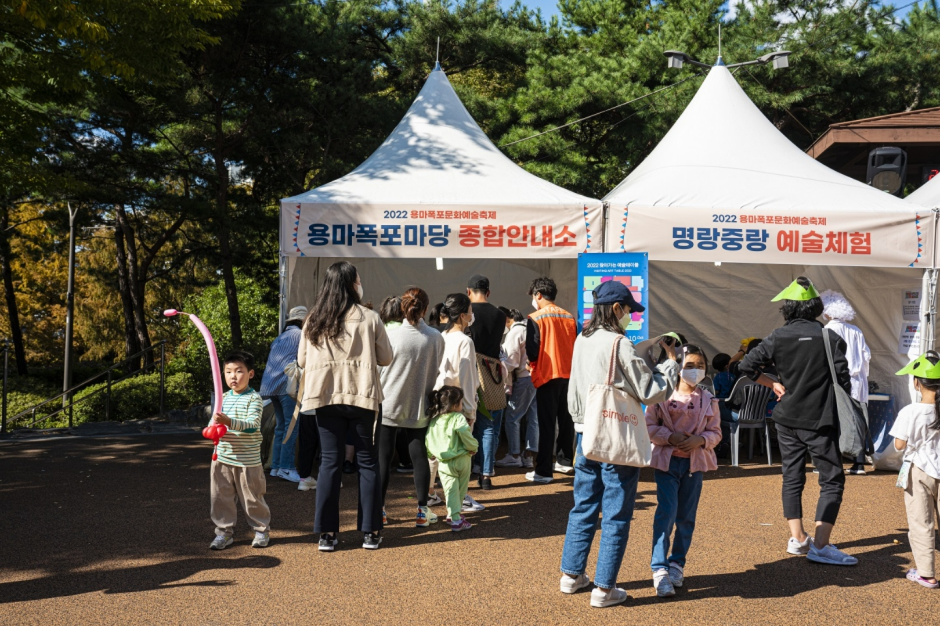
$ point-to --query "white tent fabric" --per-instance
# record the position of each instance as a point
(927, 195)
(438, 188)
(725, 185)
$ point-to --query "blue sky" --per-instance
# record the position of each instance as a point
(550, 7)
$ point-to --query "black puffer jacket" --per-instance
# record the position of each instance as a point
(797, 352)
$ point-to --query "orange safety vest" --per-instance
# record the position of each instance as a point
(557, 332)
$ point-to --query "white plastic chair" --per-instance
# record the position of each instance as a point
(751, 416)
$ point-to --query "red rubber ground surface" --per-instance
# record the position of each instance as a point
(115, 531)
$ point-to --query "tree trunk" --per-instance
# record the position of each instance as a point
(19, 351)
(131, 341)
(225, 251)
(135, 284)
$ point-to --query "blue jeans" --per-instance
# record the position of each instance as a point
(282, 457)
(597, 487)
(486, 431)
(677, 494)
(522, 404)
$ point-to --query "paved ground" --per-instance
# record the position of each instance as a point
(115, 531)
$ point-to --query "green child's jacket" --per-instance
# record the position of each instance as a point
(449, 437)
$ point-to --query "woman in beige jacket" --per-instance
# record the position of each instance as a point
(342, 347)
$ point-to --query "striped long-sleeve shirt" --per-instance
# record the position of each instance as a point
(241, 445)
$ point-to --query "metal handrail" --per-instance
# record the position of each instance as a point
(68, 393)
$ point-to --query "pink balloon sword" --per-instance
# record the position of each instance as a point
(213, 431)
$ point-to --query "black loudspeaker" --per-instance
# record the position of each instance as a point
(887, 170)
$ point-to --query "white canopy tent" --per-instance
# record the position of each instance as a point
(724, 186)
(437, 189)
(927, 195)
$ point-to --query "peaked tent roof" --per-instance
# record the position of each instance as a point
(438, 155)
(722, 153)
(927, 195)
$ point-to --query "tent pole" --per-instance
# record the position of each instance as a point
(606, 220)
(281, 275)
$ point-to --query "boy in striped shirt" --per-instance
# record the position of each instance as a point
(238, 474)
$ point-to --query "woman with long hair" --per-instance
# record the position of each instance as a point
(406, 383)
(343, 346)
(605, 486)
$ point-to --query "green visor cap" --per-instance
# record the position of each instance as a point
(796, 292)
(921, 367)
(674, 336)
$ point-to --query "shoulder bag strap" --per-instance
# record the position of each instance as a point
(613, 361)
(832, 368)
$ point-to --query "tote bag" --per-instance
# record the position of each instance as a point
(492, 385)
(614, 423)
(853, 429)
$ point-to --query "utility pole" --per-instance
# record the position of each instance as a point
(69, 309)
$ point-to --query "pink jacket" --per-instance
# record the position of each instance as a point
(660, 426)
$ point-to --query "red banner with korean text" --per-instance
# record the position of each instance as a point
(783, 237)
(336, 230)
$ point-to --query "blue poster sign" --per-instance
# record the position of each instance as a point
(629, 268)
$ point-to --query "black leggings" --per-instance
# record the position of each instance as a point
(385, 439)
(308, 442)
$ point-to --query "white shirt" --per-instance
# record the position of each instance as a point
(514, 346)
(459, 369)
(923, 442)
(858, 355)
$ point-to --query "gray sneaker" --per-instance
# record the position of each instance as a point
(830, 555)
(261, 540)
(572, 585)
(676, 574)
(221, 542)
(662, 584)
(601, 599)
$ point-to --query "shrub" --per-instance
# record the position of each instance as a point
(23, 393)
(259, 328)
(136, 398)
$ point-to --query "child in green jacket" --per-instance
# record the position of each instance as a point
(452, 443)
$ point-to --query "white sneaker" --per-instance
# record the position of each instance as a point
(509, 461)
(564, 469)
(469, 504)
(290, 475)
(532, 477)
(306, 484)
(528, 462)
(572, 585)
(830, 555)
(676, 574)
(274, 472)
(261, 540)
(661, 583)
(221, 542)
(797, 548)
(434, 499)
(600, 599)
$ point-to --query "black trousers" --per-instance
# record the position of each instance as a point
(334, 423)
(551, 400)
(308, 442)
(387, 438)
(823, 447)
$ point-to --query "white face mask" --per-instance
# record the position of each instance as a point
(693, 377)
(473, 318)
(359, 290)
(535, 304)
(625, 320)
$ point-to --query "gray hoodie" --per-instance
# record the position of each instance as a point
(589, 365)
(409, 378)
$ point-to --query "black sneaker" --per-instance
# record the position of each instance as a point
(348, 467)
(405, 469)
(328, 542)
(485, 483)
(371, 541)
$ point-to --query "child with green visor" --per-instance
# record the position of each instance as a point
(917, 432)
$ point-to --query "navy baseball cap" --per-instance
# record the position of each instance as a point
(613, 292)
